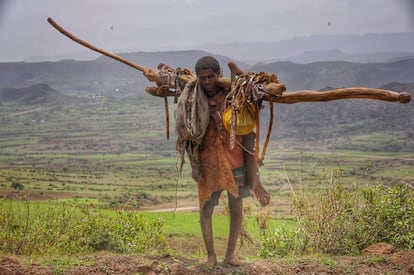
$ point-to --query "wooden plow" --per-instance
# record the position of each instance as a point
(169, 82)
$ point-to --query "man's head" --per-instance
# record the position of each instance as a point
(208, 70)
(208, 62)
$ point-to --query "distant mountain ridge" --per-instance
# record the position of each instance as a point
(107, 77)
(35, 94)
(102, 76)
(354, 48)
(337, 55)
(318, 75)
(360, 48)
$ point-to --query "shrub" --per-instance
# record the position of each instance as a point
(128, 232)
(388, 215)
(61, 229)
(17, 185)
(329, 221)
(279, 242)
(345, 221)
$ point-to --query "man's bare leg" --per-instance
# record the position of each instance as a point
(236, 215)
(206, 213)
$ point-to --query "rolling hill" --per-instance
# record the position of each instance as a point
(35, 94)
(105, 76)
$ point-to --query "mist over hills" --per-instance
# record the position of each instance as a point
(318, 75)
(337, 55)
(312, 62)
(372, 47)
(362, 48)
(104, 76)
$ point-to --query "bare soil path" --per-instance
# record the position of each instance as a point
(378, 259)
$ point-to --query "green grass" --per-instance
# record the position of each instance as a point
(188, 224)
(176, 223)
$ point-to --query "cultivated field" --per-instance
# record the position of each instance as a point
(113, 154)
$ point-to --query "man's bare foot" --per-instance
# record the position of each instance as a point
(232, 261)
(211, 261)
(262, 195)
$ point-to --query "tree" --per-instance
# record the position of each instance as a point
(17, 185)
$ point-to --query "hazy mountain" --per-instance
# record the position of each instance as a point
(317, 75)
(355, 48)
(82, 55)
(337, 55)
(104, 76)
(364, 48)
(36, 94)
(399, 87)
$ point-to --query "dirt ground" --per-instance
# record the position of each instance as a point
(377, 259)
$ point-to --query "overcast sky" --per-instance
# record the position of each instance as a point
(130, 25)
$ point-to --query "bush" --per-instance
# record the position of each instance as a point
(345, 221)
(128, 232)
(61, 229)
(279, 242)
(389, 215)
(329, 221)
(17, 185)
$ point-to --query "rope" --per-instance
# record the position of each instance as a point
(269, 130)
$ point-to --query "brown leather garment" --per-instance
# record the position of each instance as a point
(215, 168)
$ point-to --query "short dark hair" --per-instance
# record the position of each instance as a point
(208, 62)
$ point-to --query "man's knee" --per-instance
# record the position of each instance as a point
(235, 203)
(214, 200)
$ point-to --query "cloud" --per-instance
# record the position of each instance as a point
(174, 24)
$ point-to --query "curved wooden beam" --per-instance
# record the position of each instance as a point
(94, 48)
(151, 74)
(343, 93)
(312, 96)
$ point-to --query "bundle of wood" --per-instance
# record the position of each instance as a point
(275, 91)
(247, 91)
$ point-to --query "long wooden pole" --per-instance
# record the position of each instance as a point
(344, 93)
(94, 48)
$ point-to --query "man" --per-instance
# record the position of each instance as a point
(215, 167)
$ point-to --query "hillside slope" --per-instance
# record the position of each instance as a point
(35, 94)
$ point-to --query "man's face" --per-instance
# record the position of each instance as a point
(207, 79)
